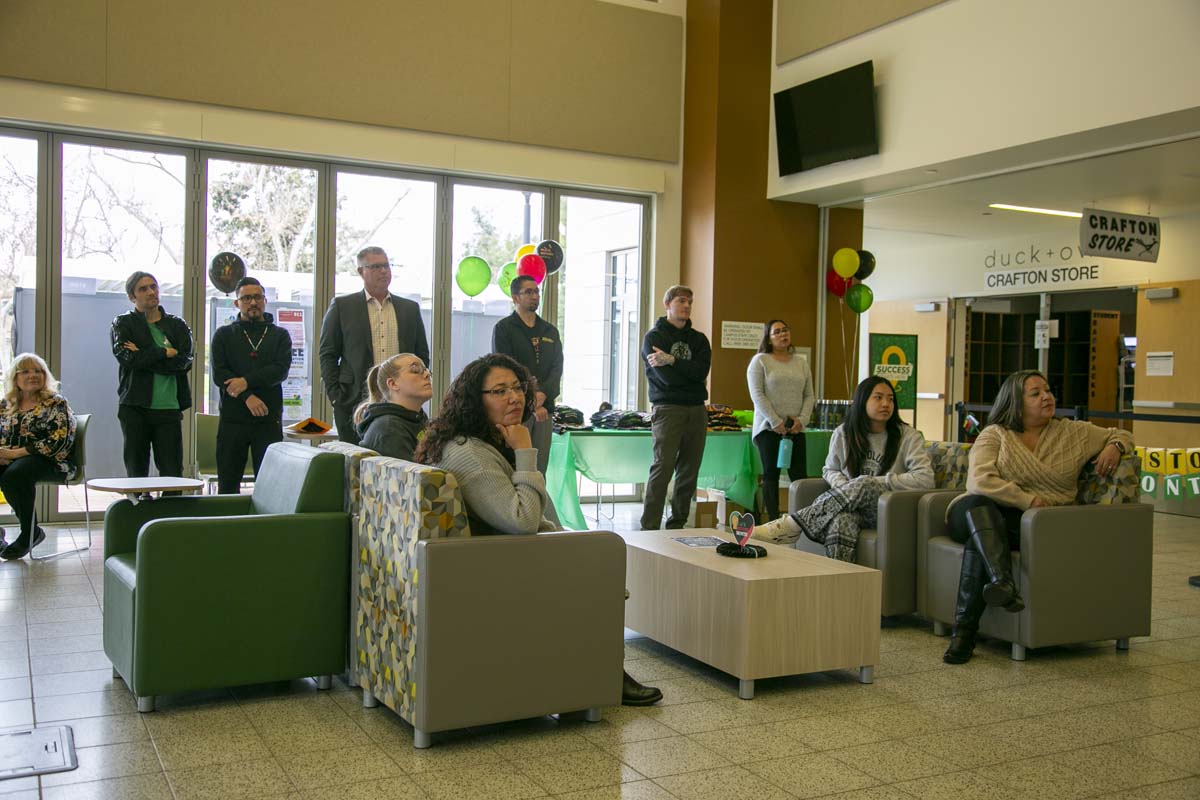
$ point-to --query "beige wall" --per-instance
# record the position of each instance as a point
(577, 74)
(803, 26)
(1168, 326)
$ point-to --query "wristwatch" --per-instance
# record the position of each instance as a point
(1120, 447)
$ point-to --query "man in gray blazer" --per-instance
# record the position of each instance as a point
(360, 330)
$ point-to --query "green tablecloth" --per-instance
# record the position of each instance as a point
(604, 456)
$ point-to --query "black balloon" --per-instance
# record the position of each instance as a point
(866, 265)
(552, 253)
(226, 270)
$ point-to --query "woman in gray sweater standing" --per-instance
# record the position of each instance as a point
(870, 453)
(781, 387)
(480, 438)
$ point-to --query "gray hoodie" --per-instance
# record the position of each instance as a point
(911, 469)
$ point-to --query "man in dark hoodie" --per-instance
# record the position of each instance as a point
(677, 360)
(536, 344)
(154, 353)
(251, 357)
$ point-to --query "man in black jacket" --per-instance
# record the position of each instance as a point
(154, 353)
(677, 361)
(251, 357)
(362, 329)
(536, 343)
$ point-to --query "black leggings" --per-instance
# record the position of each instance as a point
(19, 480)
(960, 531)
(768, 449)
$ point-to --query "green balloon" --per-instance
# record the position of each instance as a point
(473, 275)
(859, 297)
(508, 273)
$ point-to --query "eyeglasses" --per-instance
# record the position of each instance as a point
(501, 392)
(530, 291)
(25, 372)
(383, 265)
(419, 369)
(251, 298)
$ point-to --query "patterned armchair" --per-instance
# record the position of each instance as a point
(454, 630)
(1084, 571)
(891, 548)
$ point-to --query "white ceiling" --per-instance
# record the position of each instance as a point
(1162, 181)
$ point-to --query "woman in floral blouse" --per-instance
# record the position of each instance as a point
(37, 435)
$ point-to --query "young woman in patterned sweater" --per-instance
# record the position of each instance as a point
(1025, 458)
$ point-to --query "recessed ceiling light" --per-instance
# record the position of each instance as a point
(931, 172)
(1051, 211)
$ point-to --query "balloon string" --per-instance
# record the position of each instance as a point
(854, 352)
(845, 354)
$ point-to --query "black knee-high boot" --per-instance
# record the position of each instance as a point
(968, 608)
(989, 535)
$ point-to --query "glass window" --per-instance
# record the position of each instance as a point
(601, 283)
(18, 249)
(122, 210)
(490, 223)
(267, 214)
(399, 215)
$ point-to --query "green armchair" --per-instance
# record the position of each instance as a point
(225, 590)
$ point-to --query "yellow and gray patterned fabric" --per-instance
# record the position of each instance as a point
(950, 462)
(1120, 487)
(402, 503)
(354, 456)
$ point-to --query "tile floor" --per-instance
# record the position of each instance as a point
(1073, 722)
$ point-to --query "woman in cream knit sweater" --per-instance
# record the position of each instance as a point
(1025, 458)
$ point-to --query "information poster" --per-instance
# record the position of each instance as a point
(894, 356)
(296, 394)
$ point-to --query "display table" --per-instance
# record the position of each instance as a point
(616, 456)
(787, 614)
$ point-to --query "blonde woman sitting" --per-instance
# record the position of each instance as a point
(37, 434)
(391, 421)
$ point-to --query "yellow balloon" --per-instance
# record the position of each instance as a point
(845, 262)
(526, 249)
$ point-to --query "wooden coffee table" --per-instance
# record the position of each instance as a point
(787, 614)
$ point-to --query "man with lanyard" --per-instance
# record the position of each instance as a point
(251, 357)
(154, 353)
(535, 343)
(362, 329)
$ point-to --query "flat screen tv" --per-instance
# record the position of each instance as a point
(827, 120)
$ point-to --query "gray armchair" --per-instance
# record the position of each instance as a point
(891, 548)
(1084, 571)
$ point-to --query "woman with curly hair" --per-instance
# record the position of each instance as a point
(872, 452)
(480, 438)
(37, 434)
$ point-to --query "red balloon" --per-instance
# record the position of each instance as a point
(836, 284)
(532, 265)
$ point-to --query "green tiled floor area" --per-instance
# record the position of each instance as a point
(1068, 723)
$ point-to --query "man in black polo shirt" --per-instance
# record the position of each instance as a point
(154, 353)
(251, 357)
(535, 343)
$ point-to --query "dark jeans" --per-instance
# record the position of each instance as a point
(767, 443)
(679, 433)
(232, 440)
(146, 428)
(342, 420)
(960, 531)
(19, 480)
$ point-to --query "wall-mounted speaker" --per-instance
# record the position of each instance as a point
(1162, 293)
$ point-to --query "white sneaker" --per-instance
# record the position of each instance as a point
(784, 530)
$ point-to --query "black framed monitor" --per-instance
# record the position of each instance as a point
(827, 120)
